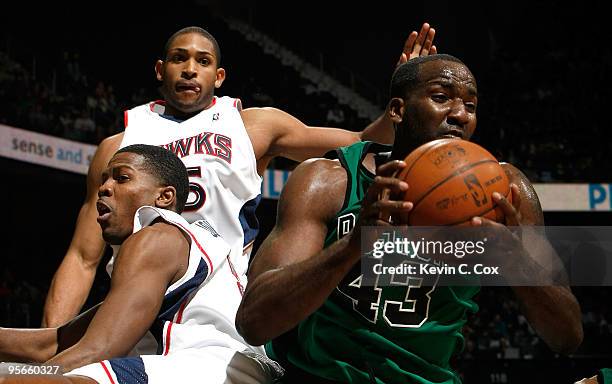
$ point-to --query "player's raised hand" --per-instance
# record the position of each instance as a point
(376, 207)
(511, 208)
(590, 380)
(419, 44)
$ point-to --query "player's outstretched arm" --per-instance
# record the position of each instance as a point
(27, 345)
(47, 379)
(148, 262)
(277, 133)
(552, 311)
(292, 275)
(74, 277)
(417, 44)
(39, 345)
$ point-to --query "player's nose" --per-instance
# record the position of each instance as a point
(105, 189)
(458, 115)
(190, 69)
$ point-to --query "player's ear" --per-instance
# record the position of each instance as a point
(159, 66)
(220, 77)
(395, 109)
(166, 198)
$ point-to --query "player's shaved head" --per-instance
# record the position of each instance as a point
(406, 76)
(193, 29)
(166, 167)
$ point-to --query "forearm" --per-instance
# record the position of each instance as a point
(79, 355)
(46, 379)
(68, 291)
(27, 345)
(277, 300)
(380, 130)
(555, 315)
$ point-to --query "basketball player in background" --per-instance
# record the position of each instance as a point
(305, 296)
(166, 279)
(226, 151)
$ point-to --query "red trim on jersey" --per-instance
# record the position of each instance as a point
(168, 338)
(213, 102)
(210, 264)
(152, 104)
(125, 118)
(179, 318)
(110, 378)
(238, 283)
(238, 104)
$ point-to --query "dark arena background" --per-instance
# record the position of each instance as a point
(543, 72)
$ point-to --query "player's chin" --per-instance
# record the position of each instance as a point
(113, 237)
(188, 104)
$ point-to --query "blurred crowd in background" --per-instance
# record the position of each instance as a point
(543, 121)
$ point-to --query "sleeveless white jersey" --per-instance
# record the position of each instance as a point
(194, 329)
(225, 187)
(199, 309)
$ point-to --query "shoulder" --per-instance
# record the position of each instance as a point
(319, 175)
(530, 207)
(316, 185)
(258, 118)
(157, 244)
(517, 177)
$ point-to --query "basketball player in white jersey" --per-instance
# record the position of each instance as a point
(226, 150)
(166, 279)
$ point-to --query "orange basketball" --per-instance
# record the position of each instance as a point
(450, 181)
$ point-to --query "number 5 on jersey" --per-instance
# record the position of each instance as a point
(197, 194)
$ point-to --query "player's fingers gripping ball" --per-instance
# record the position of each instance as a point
(451, 181)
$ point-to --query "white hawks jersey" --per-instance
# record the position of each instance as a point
(194, 328)
(225, 187)
(199, 309)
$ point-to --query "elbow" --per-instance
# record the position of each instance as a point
(247, 327)
(569, 342)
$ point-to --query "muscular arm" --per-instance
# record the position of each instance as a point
(291, 274)
(39, 345)
(276, 133)
(74, 277)
(552, 311)
(149, 261)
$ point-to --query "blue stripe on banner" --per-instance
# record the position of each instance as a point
(129, 370)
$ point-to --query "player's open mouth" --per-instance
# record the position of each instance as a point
(104, 211)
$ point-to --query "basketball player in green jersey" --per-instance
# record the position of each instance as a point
(305, 293)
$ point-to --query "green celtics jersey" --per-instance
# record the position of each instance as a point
(404, 332)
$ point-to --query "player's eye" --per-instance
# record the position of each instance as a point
(439, 97)
(122, 178)
(470, 107)
(204, 61)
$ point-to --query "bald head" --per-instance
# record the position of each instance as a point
(406, 76)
